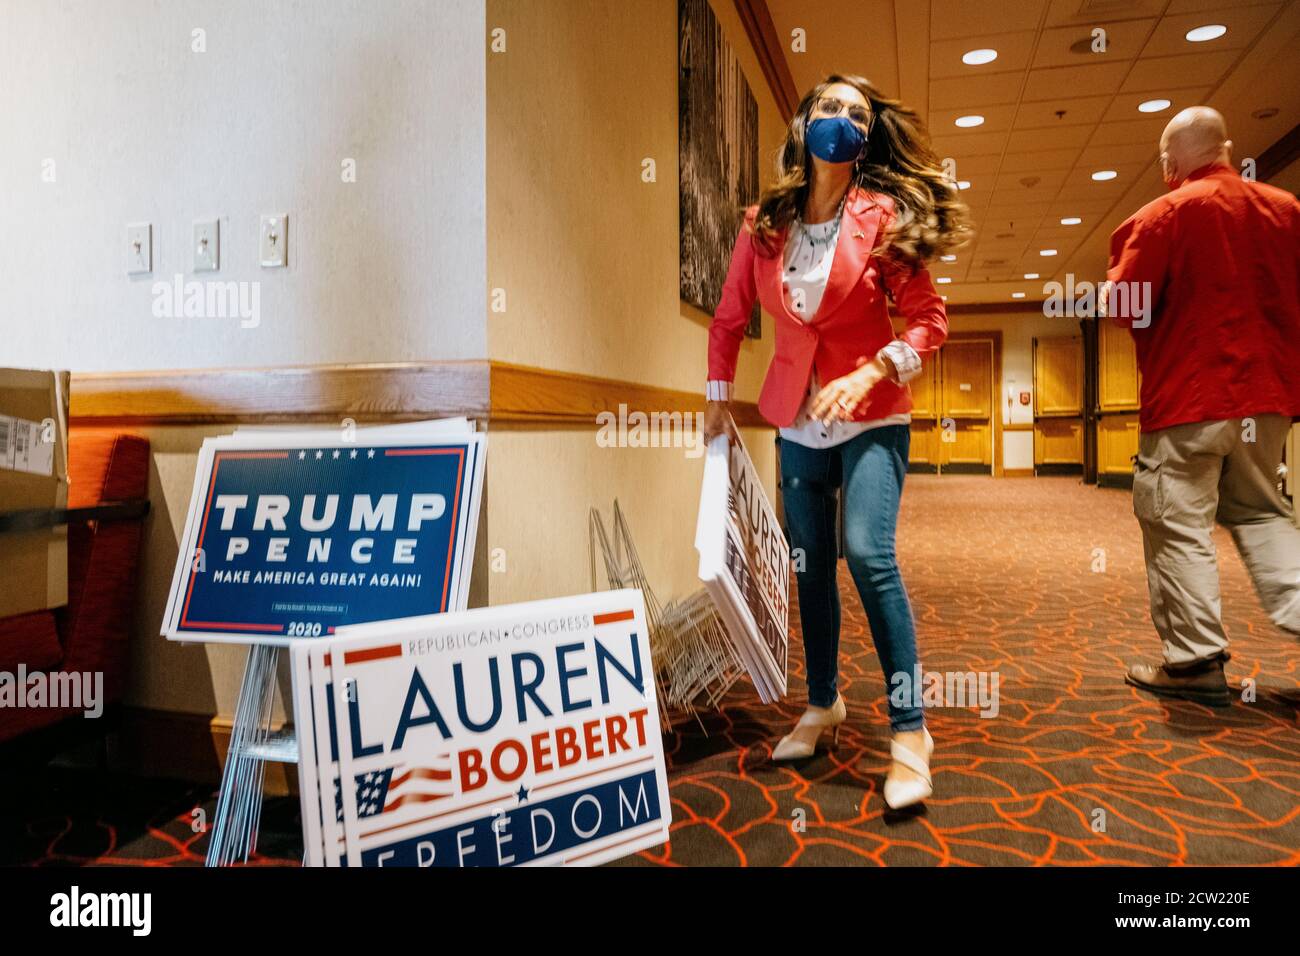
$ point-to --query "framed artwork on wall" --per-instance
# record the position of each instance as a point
(717, 155)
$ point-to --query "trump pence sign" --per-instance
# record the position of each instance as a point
(297, 535)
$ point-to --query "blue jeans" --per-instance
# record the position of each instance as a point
(870, 469)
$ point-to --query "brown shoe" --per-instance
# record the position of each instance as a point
(1199, 681)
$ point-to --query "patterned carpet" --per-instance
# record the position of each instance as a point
(1077, 768)
(1001, 579)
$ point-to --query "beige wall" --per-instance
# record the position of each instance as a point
(108, 116)
(587, 255)
(586, 252)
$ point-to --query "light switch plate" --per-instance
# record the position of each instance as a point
(139, 248)
(207, 246)
(273, 244)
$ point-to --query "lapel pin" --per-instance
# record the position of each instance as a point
(859, 235)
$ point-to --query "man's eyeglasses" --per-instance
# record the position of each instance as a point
(828, 106)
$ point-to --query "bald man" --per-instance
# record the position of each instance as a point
(1206, 278)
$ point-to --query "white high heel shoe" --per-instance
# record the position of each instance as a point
(905, 793)
(794, 746)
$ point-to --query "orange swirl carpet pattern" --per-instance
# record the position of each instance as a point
(1041, 582)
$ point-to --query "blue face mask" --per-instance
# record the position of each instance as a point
(835, 139)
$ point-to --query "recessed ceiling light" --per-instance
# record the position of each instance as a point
(1211, 31)
(1031, 275)
(943, 280)
(1071, 221)
(949, 258)
(966, 121)
(1017, 295)
(1047, 252)
(1153, 106)
(963, 184)
(979, 57)
(1102, 175)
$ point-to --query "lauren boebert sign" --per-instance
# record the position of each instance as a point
(295, 534)
(745, 563)
(526, 734)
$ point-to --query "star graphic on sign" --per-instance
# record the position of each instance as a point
(336, 452)
(371, 453)
(522, 793)
(354, 454)
(302, 455)
(319, 455)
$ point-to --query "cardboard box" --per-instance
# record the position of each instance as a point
(33, 474)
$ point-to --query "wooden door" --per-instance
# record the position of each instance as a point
(1058, 403)
(924, 450)
(1119, 387)
(1118, 382)
(966, 405)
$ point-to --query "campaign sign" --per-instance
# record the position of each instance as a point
(298, 535)
(745, 562)
(526, 734)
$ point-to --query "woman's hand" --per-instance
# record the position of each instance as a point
(839, 398)
(716, 420)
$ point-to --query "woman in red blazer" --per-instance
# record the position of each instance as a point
(859, 205)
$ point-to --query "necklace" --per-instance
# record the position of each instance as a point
(815, 242)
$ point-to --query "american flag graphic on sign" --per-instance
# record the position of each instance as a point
(382, 791)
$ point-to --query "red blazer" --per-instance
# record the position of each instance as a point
(1220, 258)
(850, 326)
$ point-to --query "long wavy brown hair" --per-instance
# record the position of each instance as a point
(898, 162)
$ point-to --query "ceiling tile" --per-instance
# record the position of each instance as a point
(961, 18)
(997, 119)
(1243, 23)
(1032, 140)
(1194, 6)
(1011, 212)
(1033, 162)
(1129, 132)
(1138, 152)
(1013, 54)
(1043, 115)
(1122, 40)
(973, 143)
(959, 91)
(1062, 82)
(1079, 184)
(1030, 184)
(1063, 12)
(1125, 106)
(969, 167)
(1160, 73)
(1091, 210)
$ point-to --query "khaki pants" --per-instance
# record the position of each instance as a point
(1186, 477)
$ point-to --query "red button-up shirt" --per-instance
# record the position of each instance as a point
(1211, 294)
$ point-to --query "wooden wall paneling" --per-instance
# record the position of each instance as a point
(924, 448)
(1058, 376)
(1118, 382)
(495, 392)
(1058, 441)
(1117, 443)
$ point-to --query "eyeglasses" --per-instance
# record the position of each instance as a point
(827, 106)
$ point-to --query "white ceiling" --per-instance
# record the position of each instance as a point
(1052, 115)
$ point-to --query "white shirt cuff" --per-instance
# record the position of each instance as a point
(905, 360)
(716, 390)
